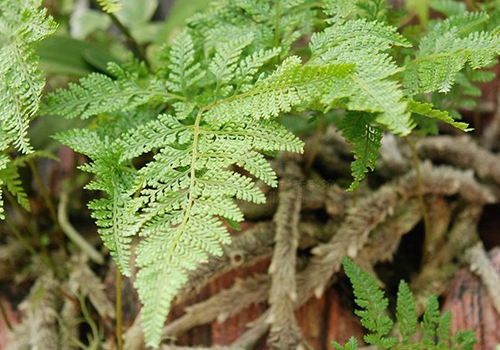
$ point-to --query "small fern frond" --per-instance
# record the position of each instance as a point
(430, 321)
(444, 330)
(225, 62)
(369, 89)
(164, 130)
(290, 85)
(427, 110)
(358, 129)
(110, 6)
(115, 214)
(447, 48)
(248, 67)
(370, 298)
(352, 344)
(184, 72)
(10, 178)
(97, 93)
(406, 314)
(464, 339)
(23, 26)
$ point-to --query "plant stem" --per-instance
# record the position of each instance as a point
(421, 199)
(277, 23)
(136, 48)
(4, 316)
(315, 145)
(73, 234)
(43, 191)
(119, 338)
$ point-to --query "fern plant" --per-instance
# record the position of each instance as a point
(22, 25)
(207, 116)
(435, 328)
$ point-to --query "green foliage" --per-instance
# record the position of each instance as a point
(366, 137)
(110, 5)
(22, 26)
(172, 146)
(447, 48)
(435, 327)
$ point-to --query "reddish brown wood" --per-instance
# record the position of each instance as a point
(472, 308)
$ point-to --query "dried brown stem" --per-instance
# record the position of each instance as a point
(284, 331)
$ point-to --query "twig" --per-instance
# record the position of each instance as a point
(462, 152)
(72, 233)
(284, 331)
(222, 305)
(421, 200)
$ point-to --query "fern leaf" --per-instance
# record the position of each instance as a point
(369, 89)
(406, 314)
(291, 84)
(358, 129)
(248, 67)
(427, 110)
(448, 47)
(444, 329)
(164, 130)
(164, 258)
(110, 6)
(184, 72)
(115, 214)
(373, 304)
(464, 339)
(98, 93)
(430, 321)
(352, 344)
(23, 25)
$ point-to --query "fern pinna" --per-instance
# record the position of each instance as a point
(22, 25)
(210, 108)
(435, 327)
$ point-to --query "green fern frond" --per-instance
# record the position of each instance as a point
(184, 72)
(115, 214)
(10, 178)
(449, 46)
(225, 62)
(427, 110)
(430, 321)
(370, 90)
(373, 305)
(464, 339)
(435, 330)
(352, 344)
(444, 330)
(358, 129)
(290, 85)
(98, 93)
(110, 6)
(406, 313)
(164, 130)
(23, 26)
